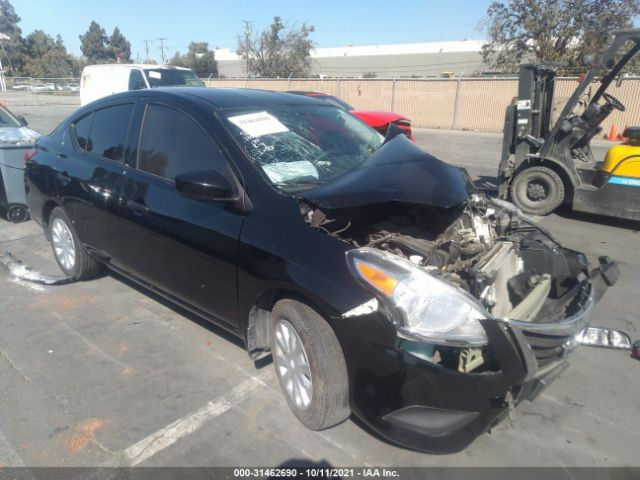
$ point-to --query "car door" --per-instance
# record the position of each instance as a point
(186, 247)
(90, 171)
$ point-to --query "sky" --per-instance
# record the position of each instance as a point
(336, 22)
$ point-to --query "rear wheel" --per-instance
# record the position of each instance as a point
(537, 190)
(69, 253)
(309, 364)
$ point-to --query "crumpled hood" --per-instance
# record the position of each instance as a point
(378, 119)
(398, 172)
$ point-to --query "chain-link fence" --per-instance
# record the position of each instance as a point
(476, 104)
(28, 91)
(51, 86)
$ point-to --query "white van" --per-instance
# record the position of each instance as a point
(101, 80)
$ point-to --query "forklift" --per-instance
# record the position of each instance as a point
(545, 164)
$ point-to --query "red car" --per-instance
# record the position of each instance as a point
(379, 121)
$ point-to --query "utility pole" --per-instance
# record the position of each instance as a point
(162, 39)
(246, 45)
(146, 48)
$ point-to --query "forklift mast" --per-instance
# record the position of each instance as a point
(528, 119)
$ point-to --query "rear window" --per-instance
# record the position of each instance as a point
(104, 131)
(81, 130)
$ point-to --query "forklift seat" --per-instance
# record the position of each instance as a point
(633, 134)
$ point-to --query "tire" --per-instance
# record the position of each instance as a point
(328, 403)
(537, 190)
(17, 213)
(81, 266)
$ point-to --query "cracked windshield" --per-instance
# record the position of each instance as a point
(299, 147)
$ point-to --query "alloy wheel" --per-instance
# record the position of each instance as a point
(292, 365)
(63, 245)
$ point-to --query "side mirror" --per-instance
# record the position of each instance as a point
(22, 120)
(205, 185)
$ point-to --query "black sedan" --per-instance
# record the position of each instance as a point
(380, 283)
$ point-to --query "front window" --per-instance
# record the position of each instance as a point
(297, 147)
(168, 77)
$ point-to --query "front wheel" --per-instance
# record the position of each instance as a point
(309, 364)
(537, 190)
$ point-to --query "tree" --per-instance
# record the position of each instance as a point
(12, 55)
(45, 56)
(37, 43)
(198, 58)
(119, 46)
(278, 51)
(552, 30)
(94, 45)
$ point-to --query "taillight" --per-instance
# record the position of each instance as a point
(29, 154)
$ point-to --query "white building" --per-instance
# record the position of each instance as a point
(433, 59)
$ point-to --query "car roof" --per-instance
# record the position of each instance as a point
(231, 97)
(218, 98)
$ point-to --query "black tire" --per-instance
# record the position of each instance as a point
(537, 190)
(17, 213)
(329, 404)
(84, 267)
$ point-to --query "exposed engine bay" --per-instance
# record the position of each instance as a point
(512, 266)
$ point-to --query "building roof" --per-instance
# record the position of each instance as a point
(226, 54)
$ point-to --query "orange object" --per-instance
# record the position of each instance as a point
(612, 133)
(378, 279)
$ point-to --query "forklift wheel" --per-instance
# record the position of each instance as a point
(537, 190)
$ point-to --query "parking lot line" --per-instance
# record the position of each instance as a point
(167, 436)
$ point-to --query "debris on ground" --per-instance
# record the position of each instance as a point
(17, 269)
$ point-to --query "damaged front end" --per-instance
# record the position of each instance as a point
(481, 299)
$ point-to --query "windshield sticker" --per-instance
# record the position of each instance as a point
(258, 124)
(154, 74)
(285, 171)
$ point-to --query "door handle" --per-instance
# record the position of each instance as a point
(61, 155)
(137, 208)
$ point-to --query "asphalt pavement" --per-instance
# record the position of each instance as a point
(102, 373)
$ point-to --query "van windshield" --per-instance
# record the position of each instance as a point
(164, 77)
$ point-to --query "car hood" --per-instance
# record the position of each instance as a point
(398, 172)
(378, 119)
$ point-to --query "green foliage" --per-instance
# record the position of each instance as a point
(198, 58)
(119, 47)
(38, 54)
(14, 58)
(45, 56)
(94, 45)
(552, 30)
(278, 51)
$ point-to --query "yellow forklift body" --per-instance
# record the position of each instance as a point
(623, 160)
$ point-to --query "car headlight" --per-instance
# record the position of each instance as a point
(423, 306)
